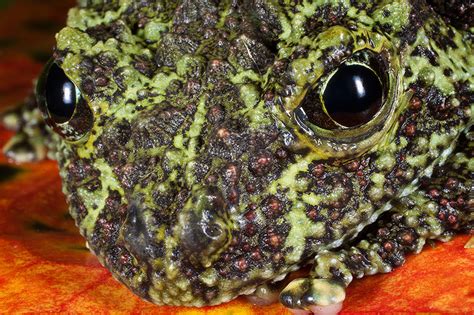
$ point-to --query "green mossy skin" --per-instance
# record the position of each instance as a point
(435, 211)
(196, 184)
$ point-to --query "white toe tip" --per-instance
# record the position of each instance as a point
(299, 312)
(332, 309)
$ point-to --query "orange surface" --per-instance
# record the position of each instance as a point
(44, 266)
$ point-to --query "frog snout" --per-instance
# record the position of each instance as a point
(204, 227)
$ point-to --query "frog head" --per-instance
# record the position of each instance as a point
(207, 147)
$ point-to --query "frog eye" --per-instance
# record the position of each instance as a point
(61, 95)
(61, 103)
(353, 95)
(356, 96)
(349, 107)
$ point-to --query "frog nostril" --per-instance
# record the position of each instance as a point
(204, 232)
(212, 231)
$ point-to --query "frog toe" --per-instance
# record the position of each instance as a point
(326, 310)
(316, 295)
(319, 310)
(265, 294)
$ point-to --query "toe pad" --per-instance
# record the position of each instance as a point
(305, 293)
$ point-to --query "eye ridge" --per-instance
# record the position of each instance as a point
(353, 95)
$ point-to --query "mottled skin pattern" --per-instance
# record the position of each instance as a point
(197, 182)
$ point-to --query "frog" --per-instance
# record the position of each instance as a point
(208, 149)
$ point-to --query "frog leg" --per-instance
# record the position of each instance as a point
(31, 138)
(437, 210)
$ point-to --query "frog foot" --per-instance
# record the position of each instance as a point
(29, 143)
(23, 149)
(320, 296)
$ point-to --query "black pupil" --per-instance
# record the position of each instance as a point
(353, 95)
(61, 95)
